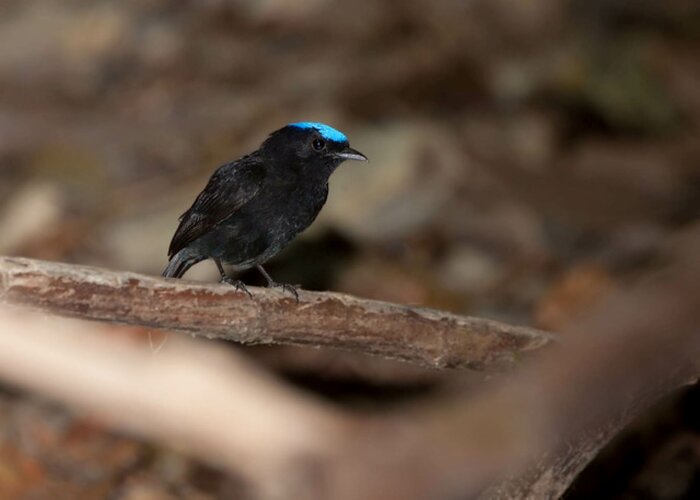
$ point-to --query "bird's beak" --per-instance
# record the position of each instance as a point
(350, 154)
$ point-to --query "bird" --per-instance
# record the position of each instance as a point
(253, 207)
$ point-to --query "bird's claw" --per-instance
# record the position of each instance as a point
(238, 285)
(293, 289)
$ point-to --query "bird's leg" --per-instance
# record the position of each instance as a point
(237, 284)
(273, 284)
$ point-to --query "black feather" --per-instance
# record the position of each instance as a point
(229, 188)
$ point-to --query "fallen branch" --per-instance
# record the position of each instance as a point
(424, 336)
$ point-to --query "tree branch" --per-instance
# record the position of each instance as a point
(420, 335)
(634, 347)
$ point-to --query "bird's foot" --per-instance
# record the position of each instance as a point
(293, 289)
(238, 285)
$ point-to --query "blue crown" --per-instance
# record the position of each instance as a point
(328, 133)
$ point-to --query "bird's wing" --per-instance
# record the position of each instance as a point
(229, 188)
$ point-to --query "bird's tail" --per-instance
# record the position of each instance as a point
(180, 263)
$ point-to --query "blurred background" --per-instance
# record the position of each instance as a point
(526, 158)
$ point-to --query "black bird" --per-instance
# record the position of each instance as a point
(253, 207)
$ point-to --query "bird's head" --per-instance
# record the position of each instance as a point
(315, 144)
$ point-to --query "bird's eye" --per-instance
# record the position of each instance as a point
(318, 144)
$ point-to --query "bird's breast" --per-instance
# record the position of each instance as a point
(291, 209)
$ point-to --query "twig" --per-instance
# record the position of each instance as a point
(424, 336)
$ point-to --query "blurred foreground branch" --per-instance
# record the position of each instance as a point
(425, 336)
(539, 429)
(215, 405)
